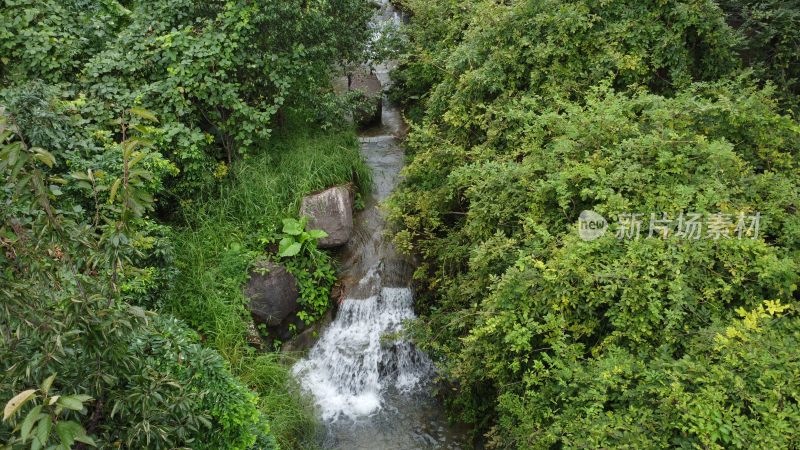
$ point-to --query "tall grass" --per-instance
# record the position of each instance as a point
(220, 239)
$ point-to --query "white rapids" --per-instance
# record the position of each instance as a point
(373, 389)
(356, 359)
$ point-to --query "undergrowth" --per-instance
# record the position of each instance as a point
(221, 238)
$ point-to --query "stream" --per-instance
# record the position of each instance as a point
(372, 390)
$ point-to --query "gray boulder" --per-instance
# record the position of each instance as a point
(331, 211)
(307, 336)
(272, 294)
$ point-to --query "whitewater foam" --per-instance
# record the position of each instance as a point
(354, 362)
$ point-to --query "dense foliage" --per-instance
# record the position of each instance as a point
(216, 73)
(529, 112)
(125, 125)
(769, 42)
(64, 314)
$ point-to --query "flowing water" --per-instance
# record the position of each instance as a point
(372, 389)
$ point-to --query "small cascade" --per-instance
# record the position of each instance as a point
(354, 362)
(372, 388)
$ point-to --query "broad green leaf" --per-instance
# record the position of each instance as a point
(16, 402)
(47, 383)
(285, 243)
(86, 439)
(114, 188)
(292, 250)
(70, 402)
(144, 114)
(292, 227)
(43, 156)
(42, 431)
(80, 176)
(204, 421)
(29, 422)
(67, 431)
(22, 159)
(136, 158)
(317, 234)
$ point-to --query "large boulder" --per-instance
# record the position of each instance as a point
(272, 294)
(331, 211)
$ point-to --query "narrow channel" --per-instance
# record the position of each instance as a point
(373, 391)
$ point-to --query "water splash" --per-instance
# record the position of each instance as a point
(353, 365)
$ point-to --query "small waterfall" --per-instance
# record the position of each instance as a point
(372, 388)
(354, 363)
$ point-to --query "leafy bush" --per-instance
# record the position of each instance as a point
(734, 388)
(536, 111)
(143, 380)
(770, 38)
(52, 39)
(216, 73)
(127, 112)
(487, 53)
(297, 249)
(43, 419)
(177, 391)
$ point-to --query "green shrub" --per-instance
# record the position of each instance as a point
(139, 380)
(211, 71)
(736, 387)
(313, 268)
(89, 176)
(536, 111)
(490, 53)
(177, 392)
(769, 39)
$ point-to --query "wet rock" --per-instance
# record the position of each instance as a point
(331, 211)
(272, 294)
(254, 337)
(309, 336)
(371, 110)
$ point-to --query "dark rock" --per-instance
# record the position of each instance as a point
(361, 79)
(366, 82)
(272, 294)
(331, 211)
(370, 85)
(309, 335)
